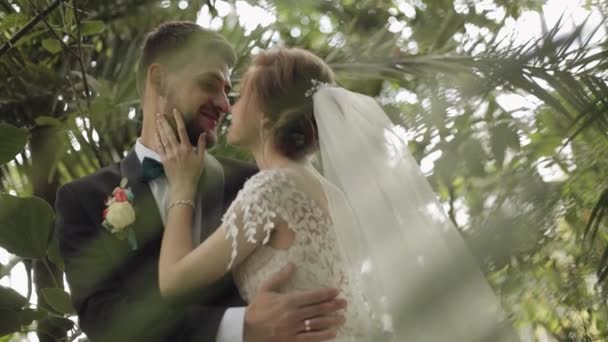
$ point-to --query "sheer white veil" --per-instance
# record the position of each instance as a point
(416, 273)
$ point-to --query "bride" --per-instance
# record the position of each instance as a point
(362, 218)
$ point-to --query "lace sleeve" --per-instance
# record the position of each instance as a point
(255, 212)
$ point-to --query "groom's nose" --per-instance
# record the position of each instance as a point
(221, 102)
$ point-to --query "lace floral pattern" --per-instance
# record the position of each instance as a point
(273, 194)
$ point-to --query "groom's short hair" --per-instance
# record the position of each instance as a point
(176, 44)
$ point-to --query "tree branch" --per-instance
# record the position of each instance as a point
(25, 29)
(86, 86)
(78, 41)
(452, 210)
(46, 23)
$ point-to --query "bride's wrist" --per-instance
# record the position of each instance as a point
(181, 195)
(181, 203)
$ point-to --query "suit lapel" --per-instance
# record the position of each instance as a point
(211, 188)
(148, 224)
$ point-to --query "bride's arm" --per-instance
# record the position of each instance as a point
(180, 267)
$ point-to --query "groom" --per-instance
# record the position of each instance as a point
(113, 277)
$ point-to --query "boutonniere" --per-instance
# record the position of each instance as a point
(119, 215)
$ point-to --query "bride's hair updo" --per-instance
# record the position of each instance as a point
(279, 80)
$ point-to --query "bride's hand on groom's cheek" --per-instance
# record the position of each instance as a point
(274, 316)
(182, 163)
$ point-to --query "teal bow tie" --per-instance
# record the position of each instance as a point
(151, 169)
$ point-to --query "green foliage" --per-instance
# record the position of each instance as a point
(59, 300)
(13, 141)
(26, 225)
(93, 27)
(541, 241)
(51, 45)
(11, 304)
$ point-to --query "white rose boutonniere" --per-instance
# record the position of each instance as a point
(119, 214)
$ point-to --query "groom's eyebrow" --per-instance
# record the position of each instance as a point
(216, 76)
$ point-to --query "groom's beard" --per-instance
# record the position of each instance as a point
(192, 121)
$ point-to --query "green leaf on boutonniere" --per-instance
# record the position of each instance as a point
(121, 234)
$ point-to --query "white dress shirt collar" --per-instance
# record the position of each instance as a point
(143, 152)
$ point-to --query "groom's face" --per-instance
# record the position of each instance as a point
(200, 92)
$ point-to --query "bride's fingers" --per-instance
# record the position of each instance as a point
(159, 143)
(166, 133)
(181, 127)
(161, 103)
(160, 135)
(202, 145)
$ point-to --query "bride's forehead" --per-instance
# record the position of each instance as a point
(252, 75)
(245, 82)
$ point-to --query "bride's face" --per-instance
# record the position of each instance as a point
(246, 118)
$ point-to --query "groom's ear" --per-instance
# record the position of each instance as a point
(157, 78)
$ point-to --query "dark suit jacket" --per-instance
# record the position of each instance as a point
(114, 288)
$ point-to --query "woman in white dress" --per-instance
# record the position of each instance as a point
(347, 227)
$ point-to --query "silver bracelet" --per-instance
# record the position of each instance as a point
(181, 202)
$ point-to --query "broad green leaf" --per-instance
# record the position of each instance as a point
(47, 121)
(58, 299)
(51, 45)
(92, 27)
(11, 299)
(10, 322)
(26, 225)
(27, 316)
(12, 141)
(60, 322)
(11, 303)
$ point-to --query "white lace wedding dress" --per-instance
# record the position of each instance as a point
(388, 245)
(286, 194)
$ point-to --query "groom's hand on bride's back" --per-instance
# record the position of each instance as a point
(272, 316)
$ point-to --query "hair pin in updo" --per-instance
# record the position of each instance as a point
(316, 85)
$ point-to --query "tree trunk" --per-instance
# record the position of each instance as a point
(45, 148)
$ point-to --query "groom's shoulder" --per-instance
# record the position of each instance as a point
(95, 183)
(237, 167)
